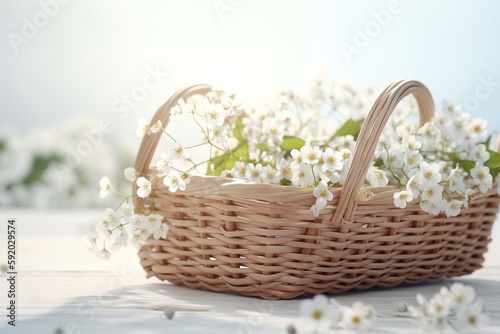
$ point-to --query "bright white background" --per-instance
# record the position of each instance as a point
(89, 53)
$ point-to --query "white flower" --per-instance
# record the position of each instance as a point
(218, 134)
(332, 160)
(174, 182)
(89, 242)
(413, 159)
(152, 223)
(412, 144)
(433, 194)
(322, 194)
(450, 106)
(177, 151)
(239, 169)
(458, 295)
(144, 187)
(478, 126)
(456, 181)
(105, 185)
(270, 175)
(343, 142)
(315, 210)
(479, 153)
(296, 156)
(402, 197)
(472, 318)
(100, 249)
(310, 155)
(415, 183)
(319, 311)
(303, 176)
(143, 127)
(431, 175)
(358, 318)
(469, 196)
(163, 165)
(481, 177)
(157, 127)
(130, 174)
(284, 169)
(453, 208)
(254, 172)
(161, 232)
(215, 115)
(376, 177)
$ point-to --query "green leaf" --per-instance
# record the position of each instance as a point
(466, 165)
(263, 147)
(291, 142)
(38, 168)
(3, 145)
(238, 131)
(350, 127)
(218, 164)
(493, 163)
(487, 141)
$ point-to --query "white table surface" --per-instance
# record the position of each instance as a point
(62, 285)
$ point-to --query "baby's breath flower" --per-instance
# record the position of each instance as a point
(253, 172)
(130, 174)
(322, 194)
(430, 173)
(481, 177)
(174, 182)
(453, 208)
(471, 317)
(358, 318)
(402, 197)
(177, 151)
(163, 165)
(376, 177)
(319, 312)
(270, 175)
(156, 127)
(105, 185)
(144, 187)
(143, 127)
(161, 232)
(310, 155)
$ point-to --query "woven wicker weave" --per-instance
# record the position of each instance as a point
(262, 240)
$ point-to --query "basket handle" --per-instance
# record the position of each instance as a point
(150, 142)
(369, 136)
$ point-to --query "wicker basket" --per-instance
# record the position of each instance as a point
(261, 239)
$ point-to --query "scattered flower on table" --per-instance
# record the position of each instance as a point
(456, 308)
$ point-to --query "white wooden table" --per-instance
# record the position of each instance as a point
(61, 285)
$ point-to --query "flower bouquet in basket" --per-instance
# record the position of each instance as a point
(304, 195)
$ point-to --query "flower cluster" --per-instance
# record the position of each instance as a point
(57, 166)
(456, 306)
(457, 302)
(124, 226)
(322, 315)
(443, 163)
